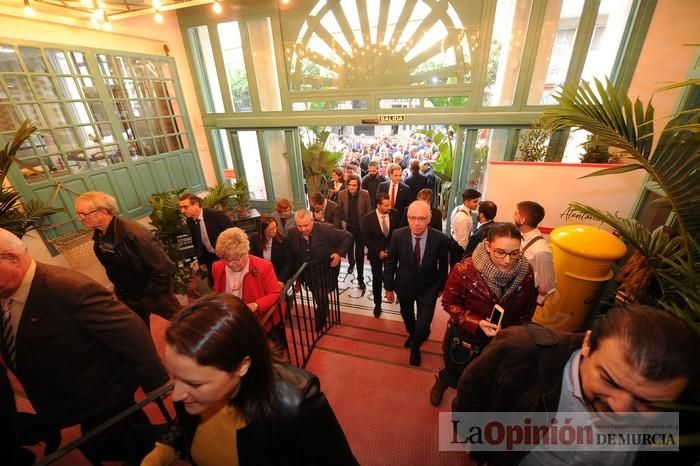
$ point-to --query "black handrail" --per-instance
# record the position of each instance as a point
(156, 396)
(312, 304)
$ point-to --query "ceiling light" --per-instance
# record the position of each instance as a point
(107, 25)
(158, 17)
(28, 10)
(217, 7)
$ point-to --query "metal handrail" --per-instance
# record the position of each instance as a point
(156, 396)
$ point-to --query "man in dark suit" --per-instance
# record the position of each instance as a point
(354, 204)
(485, 215)
(433, 181)
(415, 180)
(205, 227)
(372, 180)
(416, 270)
(377, 227)
(316, 241)
(399, 192)
(79, 353)
(325, 210)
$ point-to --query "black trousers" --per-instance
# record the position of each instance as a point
(356, 253)
(417, 321)
(377, 279)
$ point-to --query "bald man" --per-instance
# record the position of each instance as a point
(416, 271)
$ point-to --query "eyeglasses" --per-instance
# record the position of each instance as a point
(236, 259)
(417, 219)
(183, 207)
(86, 214)
(500, 253)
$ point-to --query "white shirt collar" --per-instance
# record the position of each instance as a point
(20, 296)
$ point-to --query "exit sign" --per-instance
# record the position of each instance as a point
(392, 119)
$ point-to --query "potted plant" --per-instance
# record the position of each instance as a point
(241, 198)
(443, 166)
(533, 143)
(16, 216)
(316, 161)
(596, 152)
(673, 166)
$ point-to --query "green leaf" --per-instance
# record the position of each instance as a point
(615, 170)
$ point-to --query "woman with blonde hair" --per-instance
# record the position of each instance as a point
(247, 277)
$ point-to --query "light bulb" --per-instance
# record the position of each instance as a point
(107, 25)
(28, 10)
(216, 7)
(158, 17)
(157, 5)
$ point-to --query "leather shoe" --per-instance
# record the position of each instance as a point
(414, 359)
(409, 342)
(350, 268)
(437, 392)
(377, 310)
(362, 285)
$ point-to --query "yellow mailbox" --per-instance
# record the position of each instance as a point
(583, 256)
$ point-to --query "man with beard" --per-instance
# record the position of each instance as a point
(371, 181)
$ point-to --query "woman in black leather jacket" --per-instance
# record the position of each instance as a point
(234, 404)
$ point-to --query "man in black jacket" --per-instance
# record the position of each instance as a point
(135, 263)
(205, 227)
(372, 180)
(631, 358)
(322, 244)
(485, 215)
(415, 180)
(416, 270)
(377, 227)
(79, 353)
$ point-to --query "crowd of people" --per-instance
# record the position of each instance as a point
(81, 350)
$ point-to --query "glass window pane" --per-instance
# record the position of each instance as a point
(113, 154)
(123, 66)
(32, 112)
(506, 51)
(106, 65)
(279, 163)
(232, 52)
(44, 142)
(79, 63)
(77, 161)
(264, 64)
(400, 103)
(161, 146)
(115, 88)
(19, 87)
(89, 89)
(66, 139)
(78, 112)
(58, 61)
(33, 171)
(8, 58)
(204, 62)
(44, 87)
(67, 88)
(141, 128)
(607, 36)
(490, 145)
(130, 87)
(250, 154)
(33, 60)
(105, 133)
(56, 115)
(9, 121)
(165, 70)
(57, 166)
(562, 18)
(98, 111)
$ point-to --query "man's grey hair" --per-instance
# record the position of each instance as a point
(99, 200)
(302, 213)
(9, 242)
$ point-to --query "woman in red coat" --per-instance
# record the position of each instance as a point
(247, 277)
(496, 273)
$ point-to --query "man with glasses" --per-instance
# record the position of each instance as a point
(135, 263)
(205, 227)
(416, 270)
(527, 217)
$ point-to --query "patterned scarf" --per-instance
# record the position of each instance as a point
(503, 284)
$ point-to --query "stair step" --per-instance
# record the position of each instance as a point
(381, 337)
(432, 362)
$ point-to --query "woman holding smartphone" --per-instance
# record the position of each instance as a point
(497, 274)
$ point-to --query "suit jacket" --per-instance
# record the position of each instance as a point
(403, 275)
(403, 195)
(332, 214)
(278, 257)
(363, 205)
(260, 285)
(477, 237)
(371, 185)
(78, 350)
(416, 182)
(325, 240)
(372, 235)
(215, 221)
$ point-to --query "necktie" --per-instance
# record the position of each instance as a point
(416, 251)
(8, 335)
(385, 227)
(393, 195)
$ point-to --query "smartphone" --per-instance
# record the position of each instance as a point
(497, 315)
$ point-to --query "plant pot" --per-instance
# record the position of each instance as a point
(243, 212)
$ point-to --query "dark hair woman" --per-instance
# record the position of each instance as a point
(496, 273)
(234, 404)
(336, 184)
(269, 244)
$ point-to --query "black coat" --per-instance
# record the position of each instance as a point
(278, 256)
(403, 275)
(372, 235)
(403, 195)
(302, 429)
(371, 185)
(215, 221)
(416, 182)
(325, 240)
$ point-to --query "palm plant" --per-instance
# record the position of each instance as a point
(16, 216)
(673, 165)
(316, 161)
(443, 166)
